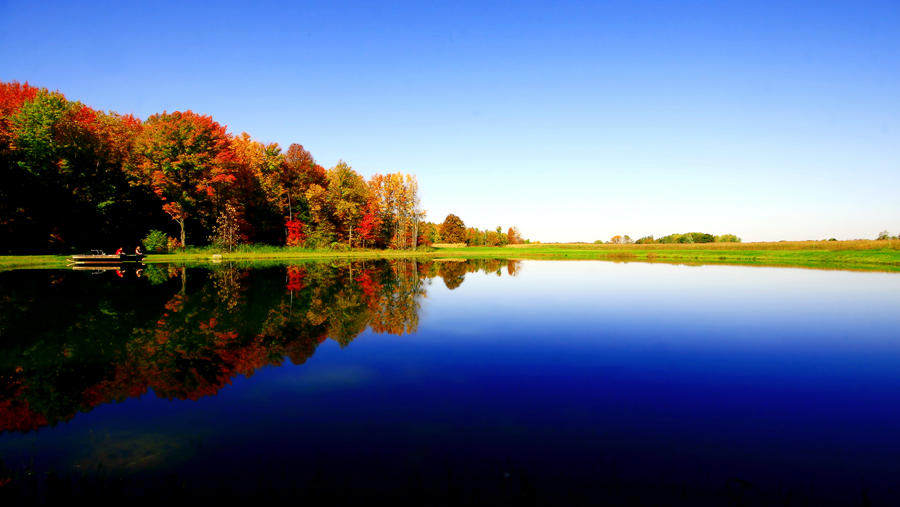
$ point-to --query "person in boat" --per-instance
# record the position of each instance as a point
(138, 251)
(120, 251)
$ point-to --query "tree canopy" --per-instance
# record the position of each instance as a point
(75, 178)
(453, 230)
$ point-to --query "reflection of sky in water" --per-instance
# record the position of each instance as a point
(572, 370)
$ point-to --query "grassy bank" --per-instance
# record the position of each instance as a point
(859, 255)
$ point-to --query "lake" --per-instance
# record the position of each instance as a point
(451, 382)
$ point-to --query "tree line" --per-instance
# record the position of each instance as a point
(454, 231)
(688, 237)
(74, 177)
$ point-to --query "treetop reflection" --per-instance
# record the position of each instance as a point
(73, 341)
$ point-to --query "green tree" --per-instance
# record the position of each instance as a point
(347, 194)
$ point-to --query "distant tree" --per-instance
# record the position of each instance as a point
(690, 237)
(514, 237)
(502, 239)
(727, 238)
(453, 230)
(884, 235)
(432, 233)
(671, 238)
(617, 240)
(700, 237)
(627, 239)
(646, 240)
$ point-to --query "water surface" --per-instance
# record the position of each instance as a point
(534, 382)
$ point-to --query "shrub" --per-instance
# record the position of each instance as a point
(156, 241)
(318, 239)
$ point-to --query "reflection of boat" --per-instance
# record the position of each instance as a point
(105, 267)
(99, 258)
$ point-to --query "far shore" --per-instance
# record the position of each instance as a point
(869, 255)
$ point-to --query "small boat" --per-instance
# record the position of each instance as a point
(99, 258)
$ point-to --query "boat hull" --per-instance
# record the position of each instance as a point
(105, 259)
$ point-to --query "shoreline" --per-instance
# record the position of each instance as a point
(842, 255)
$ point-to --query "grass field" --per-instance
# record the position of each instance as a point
(857, 255)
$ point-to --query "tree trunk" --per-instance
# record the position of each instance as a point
(181, 223)
(350, 239)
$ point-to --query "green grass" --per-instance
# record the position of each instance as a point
(8, 262)
(851, 255)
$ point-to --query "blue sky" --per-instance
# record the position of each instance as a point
(573, 121)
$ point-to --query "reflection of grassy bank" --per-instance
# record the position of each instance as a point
(856, 255)
(862, 254)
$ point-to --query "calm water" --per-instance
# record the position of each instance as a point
(448, 383)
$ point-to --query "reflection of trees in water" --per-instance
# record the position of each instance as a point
(75, 342)
(453, 272)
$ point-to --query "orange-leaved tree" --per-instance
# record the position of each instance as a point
(183, 157)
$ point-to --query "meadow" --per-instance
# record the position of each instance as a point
(876, 255)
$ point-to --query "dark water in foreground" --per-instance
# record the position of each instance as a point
(448, 383)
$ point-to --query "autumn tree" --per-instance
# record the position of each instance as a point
(227, 232)
(453, 230)
(62, 170)
(12, 96)
(182, 156)
(258, 192)
(321, 228)
(300, 171)
(348, 194)
(397, 197)
(387, 190)
(74, 176)
(514, 236)
(370, 222)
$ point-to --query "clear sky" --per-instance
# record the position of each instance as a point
(574, 121)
